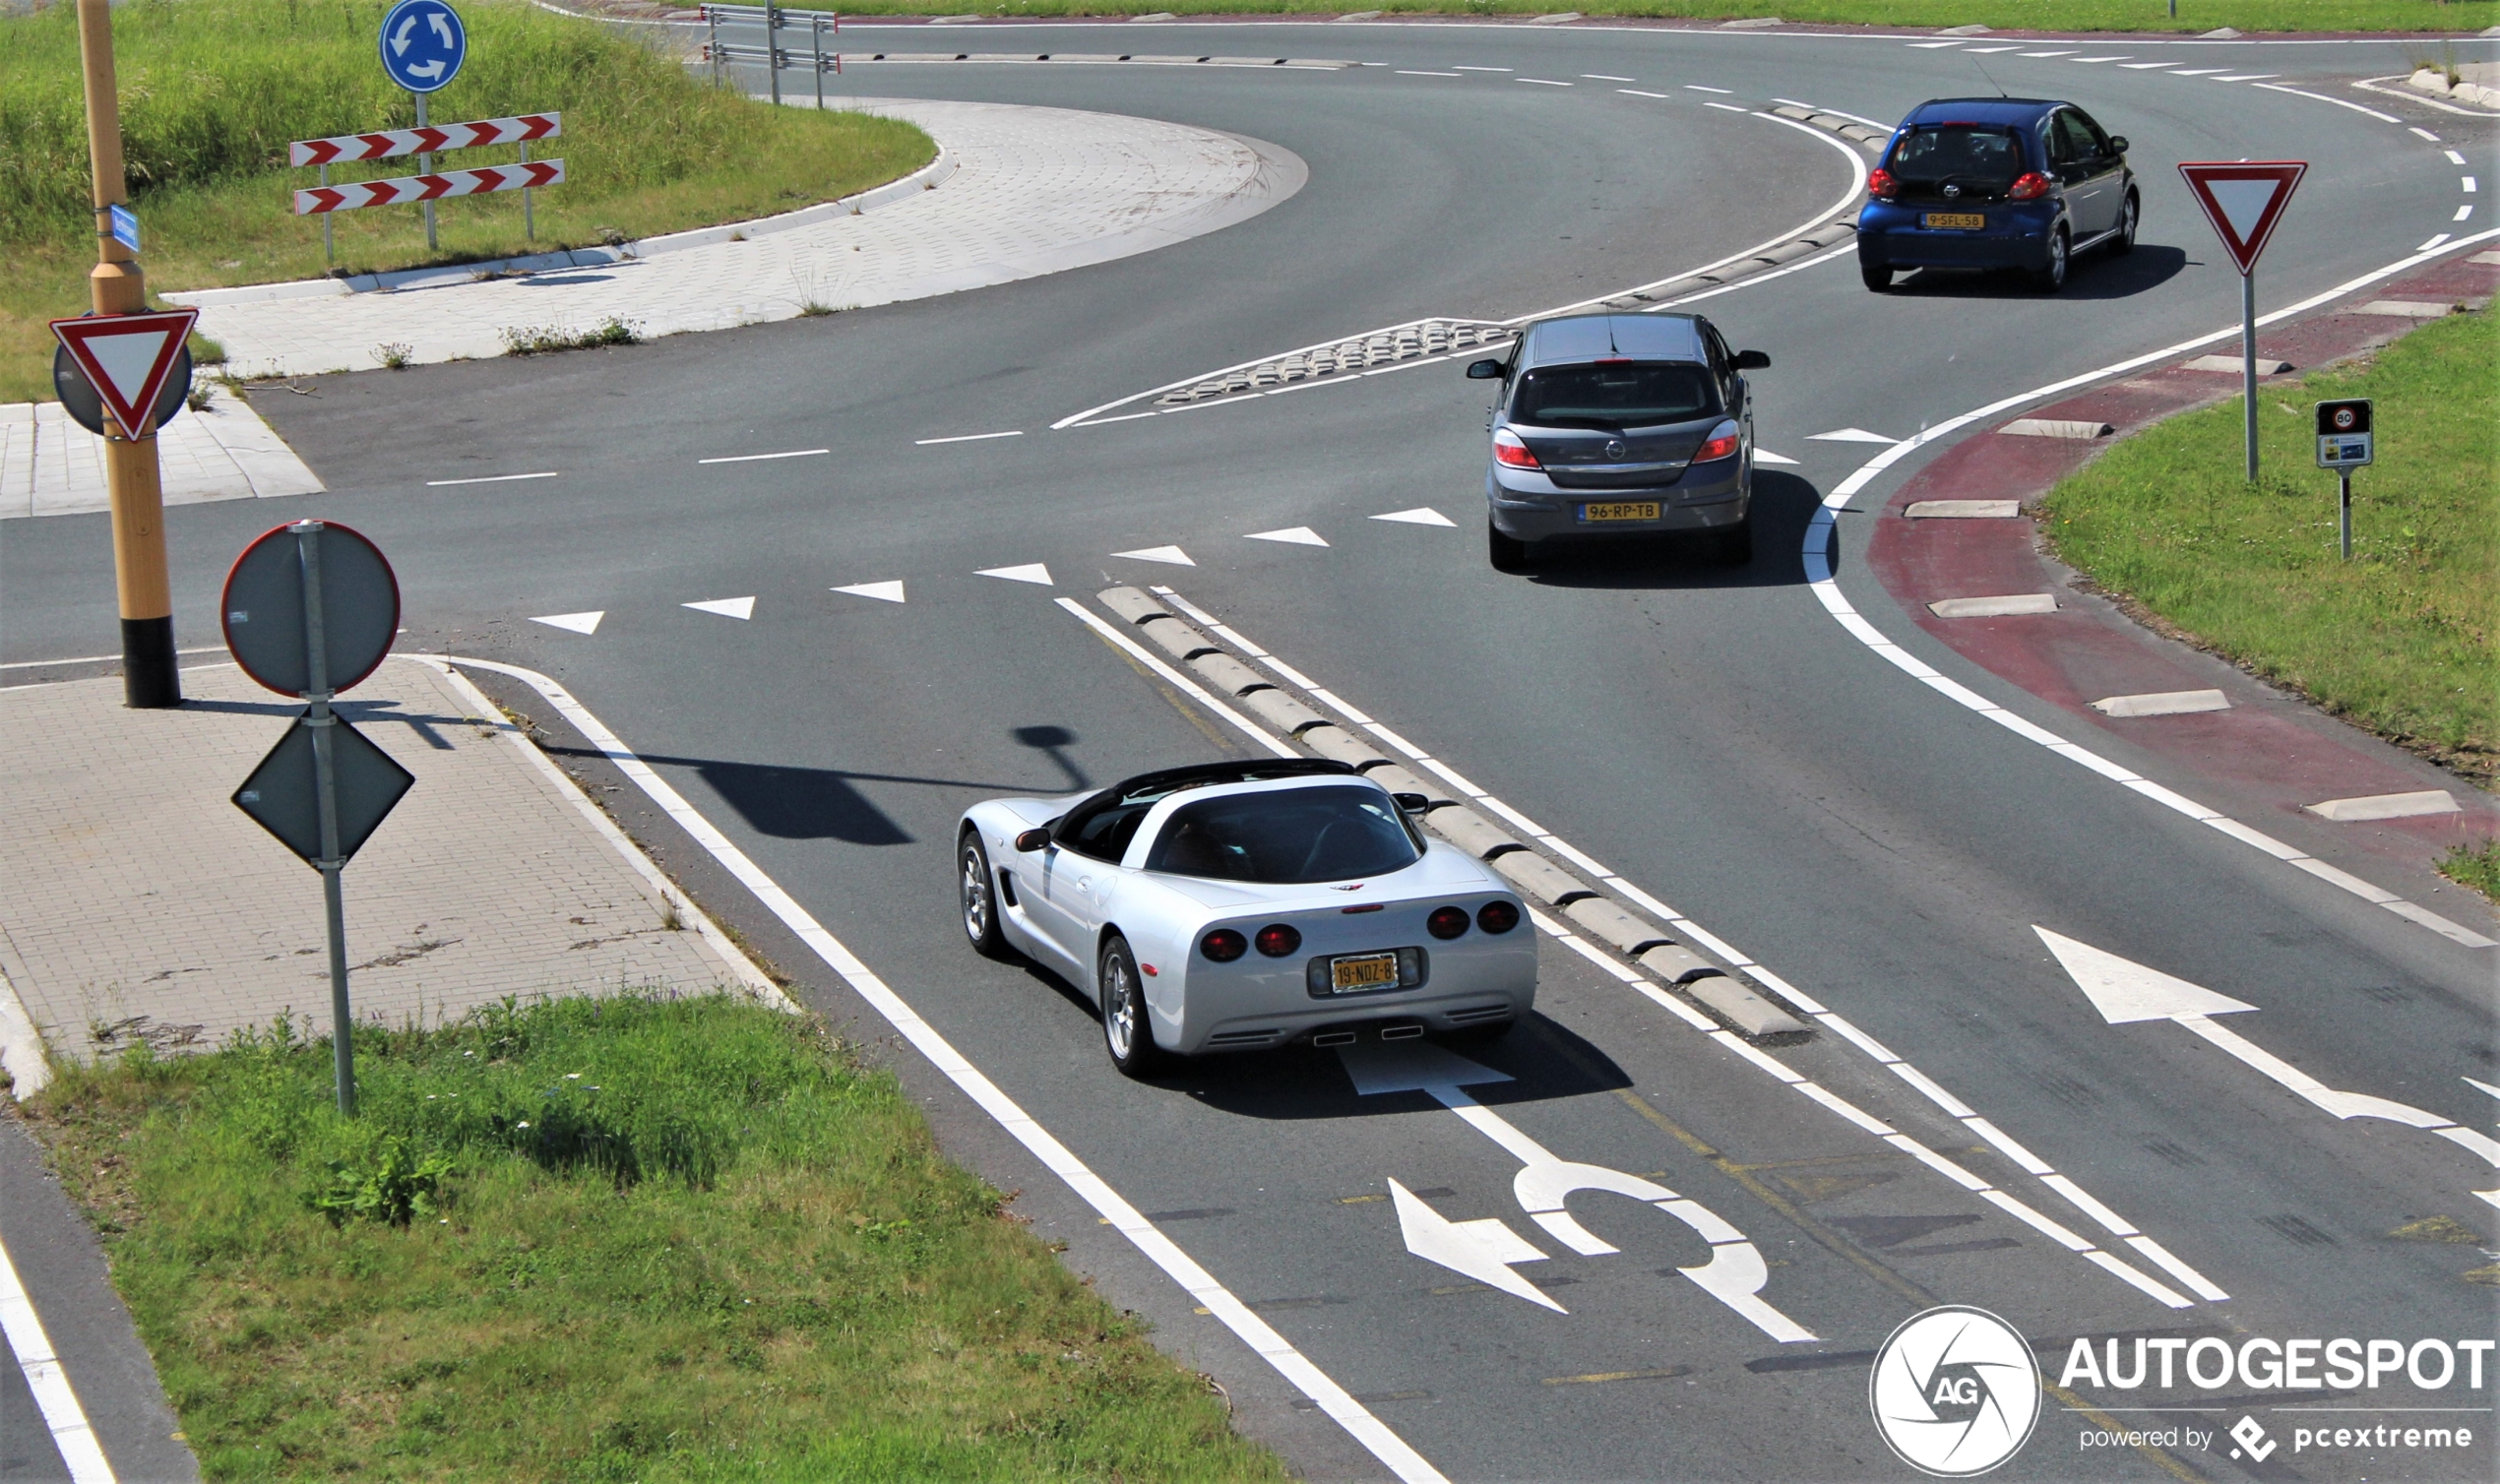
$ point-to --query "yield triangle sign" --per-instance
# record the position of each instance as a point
(2244, 199)
(126, 358)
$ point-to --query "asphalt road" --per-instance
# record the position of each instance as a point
(1711, 735)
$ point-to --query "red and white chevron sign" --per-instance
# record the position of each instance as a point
(403, 189)
(391, 144)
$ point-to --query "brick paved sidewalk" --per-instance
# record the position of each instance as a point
(140, 902)
(49, 466)
(1027, 191)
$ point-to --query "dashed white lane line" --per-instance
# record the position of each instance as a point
(1409, 72)
(1636, 92)
(1463, 67)
(1990, 51)
(968, 437)
(2455, 158)
(1029, 572)
(1599, 76)
(2463, 211)
(1541, 82)
(2197, 71)
(1726, 108)
(1816, 554)
(2466, 184)
(63, 1417)
(577, 623)
(2037, 55)
(2247, 76)
(884, 593)
(1263, 1340)
(1931, 45)
(2090, 61)
(1698, 87)
(2147, 66)
(2426, 134)
(762, 458)
(741, 608)
(492, 480)
(1640, 985)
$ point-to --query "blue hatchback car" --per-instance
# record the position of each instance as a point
(2017, 183)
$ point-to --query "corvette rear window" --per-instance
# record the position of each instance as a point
(1627, 395)
(1984, 156)
(1299, 834)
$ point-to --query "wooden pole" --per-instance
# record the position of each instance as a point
(131, 477)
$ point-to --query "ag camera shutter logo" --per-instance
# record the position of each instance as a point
(1955, 1391)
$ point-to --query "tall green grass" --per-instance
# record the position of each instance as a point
(212, 90)
(600, 1239)
(2403, 639)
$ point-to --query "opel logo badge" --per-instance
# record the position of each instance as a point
(1614, 448)
(1953, 191)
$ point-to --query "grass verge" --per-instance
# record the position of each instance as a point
(2440, 17)
(2477, 867)
(2401, 639)
(213, 89)
(620, 1238)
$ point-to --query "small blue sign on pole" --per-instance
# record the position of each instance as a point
(126, 226)
(423, 44)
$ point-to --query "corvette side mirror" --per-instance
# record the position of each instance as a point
(1485, 370)
(1033, 839)
(1752, 360)
(1412, 803)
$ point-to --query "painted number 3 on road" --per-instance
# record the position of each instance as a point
(423, 44)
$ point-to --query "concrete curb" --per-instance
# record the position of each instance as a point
(927, 178)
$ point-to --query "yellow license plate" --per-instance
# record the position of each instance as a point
(1363, 971)
(1621, 510)
(1956, 221)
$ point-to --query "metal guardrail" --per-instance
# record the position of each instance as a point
(772, 54)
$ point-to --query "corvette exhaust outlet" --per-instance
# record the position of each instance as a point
(1406, 1032)
(1332, 1039)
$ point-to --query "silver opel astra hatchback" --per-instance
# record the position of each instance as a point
(1616, 424)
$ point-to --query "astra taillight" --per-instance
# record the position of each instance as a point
(1881, 186)
(1509, 451)
(2031, 185)
(1722, 444)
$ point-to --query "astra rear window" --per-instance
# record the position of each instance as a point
(1629, 395)
(1983, 155)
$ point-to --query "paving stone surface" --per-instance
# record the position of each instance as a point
(141, 901)
(49, 466)
(1032, 191)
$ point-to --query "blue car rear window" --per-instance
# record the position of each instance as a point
(1300, 834)
(1986, 156)
(1626, 395)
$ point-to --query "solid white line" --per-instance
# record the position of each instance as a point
(490, 479)
(1698, 87)
(1463, 67)
(754, 458)
(1405, 72)
(1826, 588)
(1927, 1086)
(2385, 118)
(1599, 76)
(53, 1398)
(1636, 92)
(1541, 82)
(38, 664)
(968, 437)
(1254, 1332)
(1730, 107)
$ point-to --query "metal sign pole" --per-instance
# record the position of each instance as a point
(529, 214)
(425, 166)
(2345, 520)
(772, 48)
(329, 252)
(816, 58)
(712, 43)
(318, 716)
(2248, 358)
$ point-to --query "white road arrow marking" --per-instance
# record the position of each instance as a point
(1299, 535)
(884, 593)
(1765, 456)
(1171, 556)
(1479, 1250)
(579, 623)
(726, 607)
(2124, 991)
(1030, 572)
(1421, 515)
(1849, 435)
(1734, 1274)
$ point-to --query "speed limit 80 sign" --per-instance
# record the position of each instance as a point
(2343, 433)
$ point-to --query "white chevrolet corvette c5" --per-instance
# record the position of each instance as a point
(1235, 906)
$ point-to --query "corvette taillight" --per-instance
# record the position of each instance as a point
(1497, 917)
(2031, 185)
(1722, 444)
(1224, 945)
(1277, 939)
(1509, 451)
(1881, 186)
(1446, 922)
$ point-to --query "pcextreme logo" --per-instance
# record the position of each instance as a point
(1955, 1391)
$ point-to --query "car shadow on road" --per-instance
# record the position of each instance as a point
(2094, 276)
(1784, 505)
(1540, 1059)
